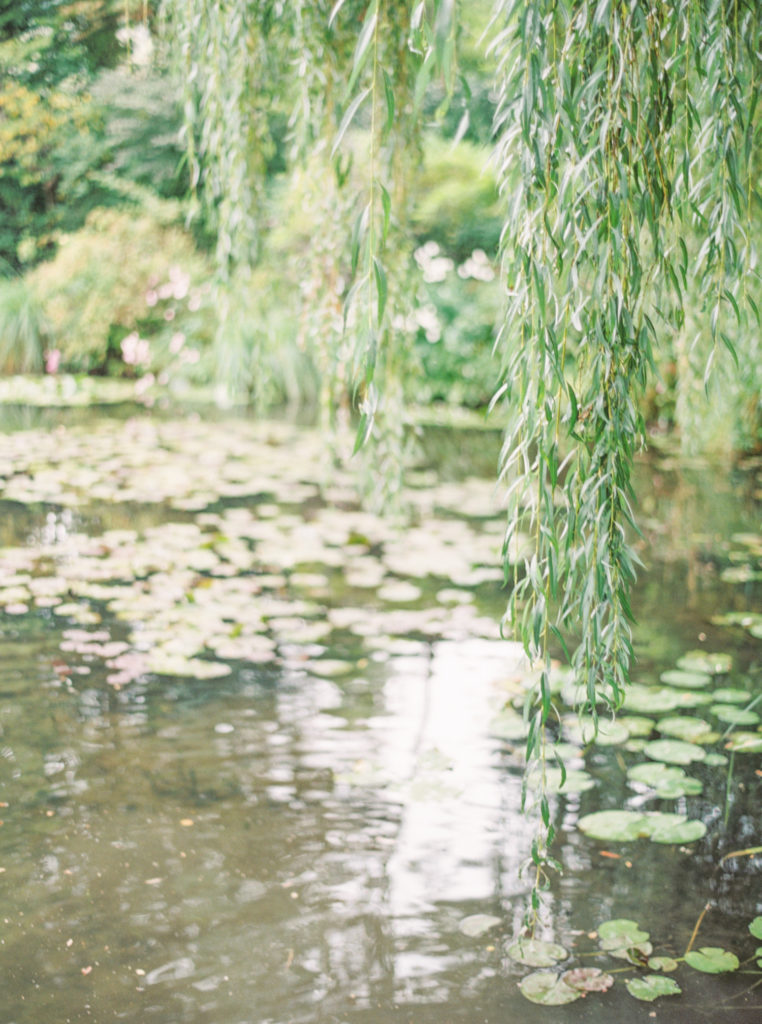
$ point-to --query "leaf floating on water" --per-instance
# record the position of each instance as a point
(625, 826)
(755, 927)
(683, 678)
(651, 987)
(477, 924)
(732, 715)
(536, 952)
(547, 989)
(662, 963)
(687, 728)
(706, 661)
(731, 695)
(674, 751)
(669, 781)
(588, 979)
(620, 933)
(745, 743)
(712, 960)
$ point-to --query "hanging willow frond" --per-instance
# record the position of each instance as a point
(624, 129)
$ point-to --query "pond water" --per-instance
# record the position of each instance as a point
(261, 753)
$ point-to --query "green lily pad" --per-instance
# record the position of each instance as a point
(588, 979)
(715, 760)
(576, 780)
(745, 743)
(651, 987)
(547, 989)
(674, 751)
(508, 724)
(536, 952)
(683, 678)
(675, 828)
(732, 715)
(731, 695)
(625, 826)
(662, 963)
(669, 781)
(638, 725)
(478, 924)
(687, 728)
(758, 954)
(616, 826)
(712, 960)
(609, 734)
(706, 661)
(755, 927)
(620, 933)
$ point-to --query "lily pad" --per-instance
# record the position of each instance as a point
(732, 715)
(638, 725)
(706, 661)
(683, 678)
(575, 781)
(662, 963)
(625, 826)
(712, 960)
(548, 989)
(674, 751)
(588, 979)
(582, 730)
(731, 695)
(687, 728)
(478, 924)
(745, 743)
(620, 933)
(755, 927)
(669, 781)
(536, 952)
(676, 828)
(651, 987)
(616, 826)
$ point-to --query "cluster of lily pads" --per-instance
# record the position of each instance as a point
(621, 939)
(244, 551)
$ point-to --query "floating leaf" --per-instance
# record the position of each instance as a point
(732, 715)
(669, 781)
(620, 933)
(582, 730)
(756, 928)
(683, 678)
(638, 725)
(536, 952)
(547, 989)
(662, 963)
(478, 924)
(651, 987)
(588, 979)
(619, 826)
(731, 695)
(712, 960)
(687, 728)
(745, 743)
(624, 826)
(706, 661)
(674, 751)
(675, 828)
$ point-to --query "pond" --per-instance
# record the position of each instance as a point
(262, 750)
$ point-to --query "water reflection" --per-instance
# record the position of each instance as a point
(291, 844)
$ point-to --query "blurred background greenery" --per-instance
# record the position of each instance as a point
(107, 262)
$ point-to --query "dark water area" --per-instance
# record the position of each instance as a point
(254, 761)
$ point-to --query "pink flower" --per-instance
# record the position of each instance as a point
(52, 360)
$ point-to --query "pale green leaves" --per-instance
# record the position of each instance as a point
(651, 987)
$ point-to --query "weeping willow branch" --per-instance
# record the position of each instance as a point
(623, 129)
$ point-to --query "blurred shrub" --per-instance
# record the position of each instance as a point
(454, 199)
(125, 275)
(455, 312)
(23, 330)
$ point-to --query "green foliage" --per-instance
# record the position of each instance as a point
(125, 275)
(23, 329)
(454, 199)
